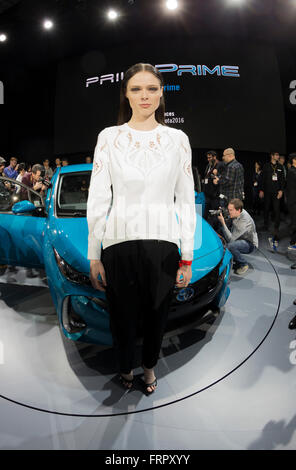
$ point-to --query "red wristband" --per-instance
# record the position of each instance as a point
(183, 262)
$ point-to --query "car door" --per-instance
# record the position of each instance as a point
(21, 234)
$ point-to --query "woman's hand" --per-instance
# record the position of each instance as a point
(96, 268)
(187, 275)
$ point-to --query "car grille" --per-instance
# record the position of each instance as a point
(198, 288)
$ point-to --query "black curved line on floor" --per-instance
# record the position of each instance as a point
(171, 402)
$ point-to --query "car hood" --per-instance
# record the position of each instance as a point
(70, 238)
(208, 249)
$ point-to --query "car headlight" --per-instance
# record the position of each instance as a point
(69, 272)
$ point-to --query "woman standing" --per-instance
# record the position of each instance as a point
(257, 177)
(148, 165)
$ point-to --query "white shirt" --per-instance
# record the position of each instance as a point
(147, 171)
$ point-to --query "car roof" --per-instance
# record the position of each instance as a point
(77, 167)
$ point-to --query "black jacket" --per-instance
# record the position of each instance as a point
(257, 181)
(291, 186)
(210, 189)
(268, 185)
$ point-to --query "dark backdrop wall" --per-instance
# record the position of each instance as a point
(217, 91)
(27, 115)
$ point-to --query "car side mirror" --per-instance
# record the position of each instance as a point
(23, 207)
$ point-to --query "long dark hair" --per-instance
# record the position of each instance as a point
(125, 111)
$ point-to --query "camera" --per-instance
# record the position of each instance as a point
(221, 210)
(215, 212)
(45, 182)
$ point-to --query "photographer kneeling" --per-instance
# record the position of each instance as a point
(242, 237)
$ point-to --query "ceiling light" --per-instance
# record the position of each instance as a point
(172, 4)
(236, 2)
(47, 24)
(112, 14)
(3, 37)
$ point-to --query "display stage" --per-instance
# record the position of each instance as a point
(44, 370)
(228, 383)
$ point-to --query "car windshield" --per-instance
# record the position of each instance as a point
(73, 194)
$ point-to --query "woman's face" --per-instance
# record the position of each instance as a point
(143, 93)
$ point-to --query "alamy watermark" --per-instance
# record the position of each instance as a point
(293, 353)
(1, 93)
(293, 93)
(158, 220)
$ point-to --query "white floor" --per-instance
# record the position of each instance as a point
(229, 384)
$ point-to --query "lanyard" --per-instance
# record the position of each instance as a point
(274, 168)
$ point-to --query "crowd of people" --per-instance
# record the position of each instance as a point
(273, 189)
(35, 176)
(17, 170)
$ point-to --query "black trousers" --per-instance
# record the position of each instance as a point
(256, 201)
(140, 278)
(292, 210)
(271, 199)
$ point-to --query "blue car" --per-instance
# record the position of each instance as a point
(51, 233)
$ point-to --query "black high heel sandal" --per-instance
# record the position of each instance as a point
(146, 386)
(126, 383)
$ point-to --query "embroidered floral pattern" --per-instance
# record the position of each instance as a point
(102, 147)
(98, 166)
(184, 148)
(116, 140)
(187, 168)
(146, 153)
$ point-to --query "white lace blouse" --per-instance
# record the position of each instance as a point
(140, 181)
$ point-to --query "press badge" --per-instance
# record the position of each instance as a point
(274, 178)
(206, 180)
